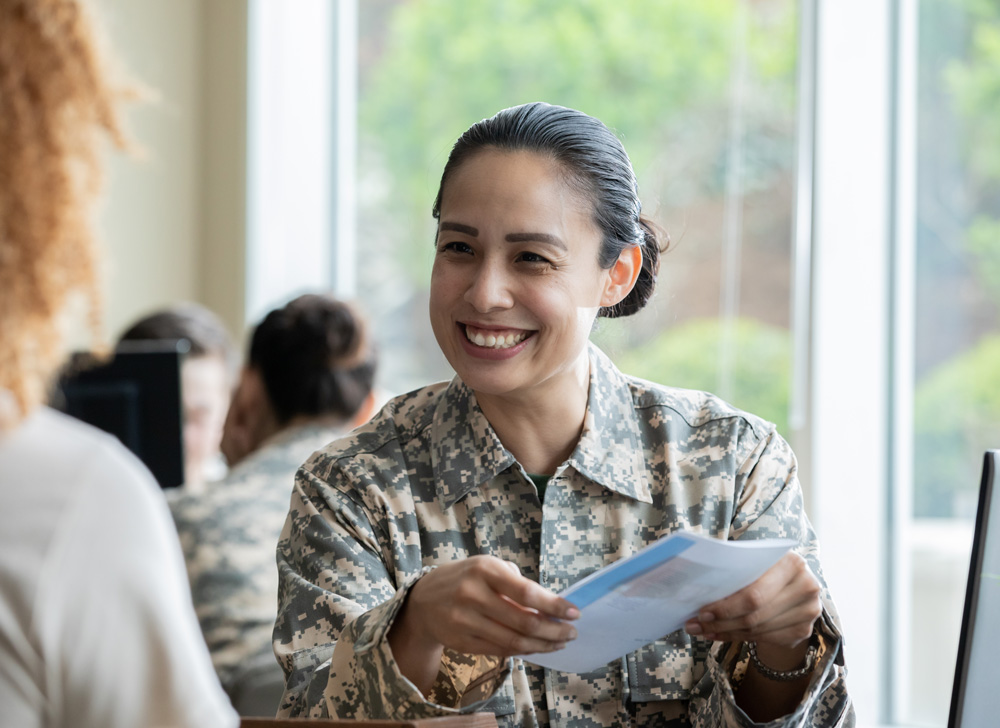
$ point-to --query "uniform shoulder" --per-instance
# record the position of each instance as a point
(400, 420)
(261, 482)
(696, 408)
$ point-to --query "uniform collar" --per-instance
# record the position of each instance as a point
(466, 451)
(610, 451)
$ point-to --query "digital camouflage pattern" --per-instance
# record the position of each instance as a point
(428, 482)
(229, 533)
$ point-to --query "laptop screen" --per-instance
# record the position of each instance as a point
(975, 699)
(136, 397)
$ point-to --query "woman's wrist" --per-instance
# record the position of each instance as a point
(785, 663)
(417, 654)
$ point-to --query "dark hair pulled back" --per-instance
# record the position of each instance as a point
(595, 161)
(314, 357)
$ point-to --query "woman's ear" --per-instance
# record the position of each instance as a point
(365, 411)
(622, 276)
(250, 419)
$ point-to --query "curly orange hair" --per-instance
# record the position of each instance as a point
(56, 105)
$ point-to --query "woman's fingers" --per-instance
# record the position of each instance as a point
(787, 628)
(515, 631)
(528, 594)
(483, 605)
(780, 608)
(784, 609)
(520, 617)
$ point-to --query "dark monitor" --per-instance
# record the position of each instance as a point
(975, 699)
(136, 396)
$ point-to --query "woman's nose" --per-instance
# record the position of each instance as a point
(489, 288)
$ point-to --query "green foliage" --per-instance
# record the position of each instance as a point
(975, 86)
(956, 418)
(957, 405)
(650, 70)
(984, 243)
(450, 63)
(689, 356)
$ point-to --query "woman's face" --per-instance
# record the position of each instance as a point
(205, 395)
(516, 284)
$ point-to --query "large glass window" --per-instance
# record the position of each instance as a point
(703, 95)
(903, 377)
(956, 357)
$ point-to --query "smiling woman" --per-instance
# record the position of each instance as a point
(456, 516)
(517, 284)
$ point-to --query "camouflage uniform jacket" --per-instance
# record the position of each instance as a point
(228, 534)
(428, 482)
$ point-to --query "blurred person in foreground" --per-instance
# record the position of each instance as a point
(307, 381)
(96, 628)
(207, 374)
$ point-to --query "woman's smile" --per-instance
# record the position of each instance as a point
(494, 338)
(492, 344)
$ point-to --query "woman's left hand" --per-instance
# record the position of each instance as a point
(778, 609)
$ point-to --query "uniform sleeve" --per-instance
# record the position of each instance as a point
(202, 558)
(114, 604)
(337, 601)
(769, 505)
(227, 535)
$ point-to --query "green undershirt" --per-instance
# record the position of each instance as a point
(540, 482)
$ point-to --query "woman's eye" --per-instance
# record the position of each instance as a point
(455, 247)
(528, 257)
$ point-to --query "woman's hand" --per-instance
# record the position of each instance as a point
(479, 605)
(778, 609)
(482, 605)
(777, 612)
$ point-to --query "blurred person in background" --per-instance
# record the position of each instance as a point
(206, 382)
(308, 380)
(96, 628)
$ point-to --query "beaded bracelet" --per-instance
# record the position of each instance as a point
(782, 675)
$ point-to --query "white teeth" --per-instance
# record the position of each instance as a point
(492, 341)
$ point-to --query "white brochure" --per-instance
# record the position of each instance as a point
(652, 593)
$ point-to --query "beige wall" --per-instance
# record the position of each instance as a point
(173, 222)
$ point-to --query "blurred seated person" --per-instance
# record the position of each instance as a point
(206, 382)
(96, 625)
(307, 381)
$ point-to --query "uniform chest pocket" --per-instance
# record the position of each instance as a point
(666, 669)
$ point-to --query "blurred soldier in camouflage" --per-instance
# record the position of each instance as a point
(308, 380)
(427, 549)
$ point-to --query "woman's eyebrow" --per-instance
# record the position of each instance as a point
(460, 228)
(535, 237)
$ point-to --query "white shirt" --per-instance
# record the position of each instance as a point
(96, 622)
